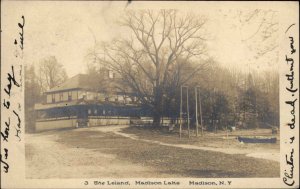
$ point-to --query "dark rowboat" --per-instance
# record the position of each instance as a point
(257, 139)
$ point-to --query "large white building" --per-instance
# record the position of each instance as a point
(77, 103)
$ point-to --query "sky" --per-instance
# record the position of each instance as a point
(67, 30)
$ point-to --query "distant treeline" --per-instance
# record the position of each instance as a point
(232, 98)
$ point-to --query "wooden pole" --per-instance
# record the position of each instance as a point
(200, 111)
(214, 100)
(196, 110)
(180, 115)
(188, 111)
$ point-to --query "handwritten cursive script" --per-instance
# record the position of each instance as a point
(288, 178)
(21, 38)
(13, 120)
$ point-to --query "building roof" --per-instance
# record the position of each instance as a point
(80, 81)
(87, 82)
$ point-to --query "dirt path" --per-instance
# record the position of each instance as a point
(102, 152)
(46, 158)
(271, 155)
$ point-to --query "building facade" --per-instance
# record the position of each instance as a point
(76, 103)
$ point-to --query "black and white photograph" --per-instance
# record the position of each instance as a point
(149, 94)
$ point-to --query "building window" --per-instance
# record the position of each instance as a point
(95, 111)
(89, 111)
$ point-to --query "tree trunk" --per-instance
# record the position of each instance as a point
(158, 108)
(156, 119)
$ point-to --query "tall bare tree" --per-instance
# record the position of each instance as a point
(32, 96)
(51, 73)
(163, 50)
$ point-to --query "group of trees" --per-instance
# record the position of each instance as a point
(157, 56)
(232, 98)
(46, 75)
(165, 50)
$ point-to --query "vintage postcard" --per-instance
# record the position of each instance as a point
(149, 94)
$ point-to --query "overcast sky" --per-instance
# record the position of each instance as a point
(65, 30)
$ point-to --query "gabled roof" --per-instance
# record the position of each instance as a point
(88, 82)
(80, 81)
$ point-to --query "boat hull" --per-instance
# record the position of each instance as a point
(257, 140)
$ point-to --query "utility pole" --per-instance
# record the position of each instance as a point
(188, 111)
(200, 111)
(180, 115)
(214, 112)
(196, 110)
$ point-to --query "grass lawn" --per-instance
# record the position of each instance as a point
(169, 160)
(209, 139)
